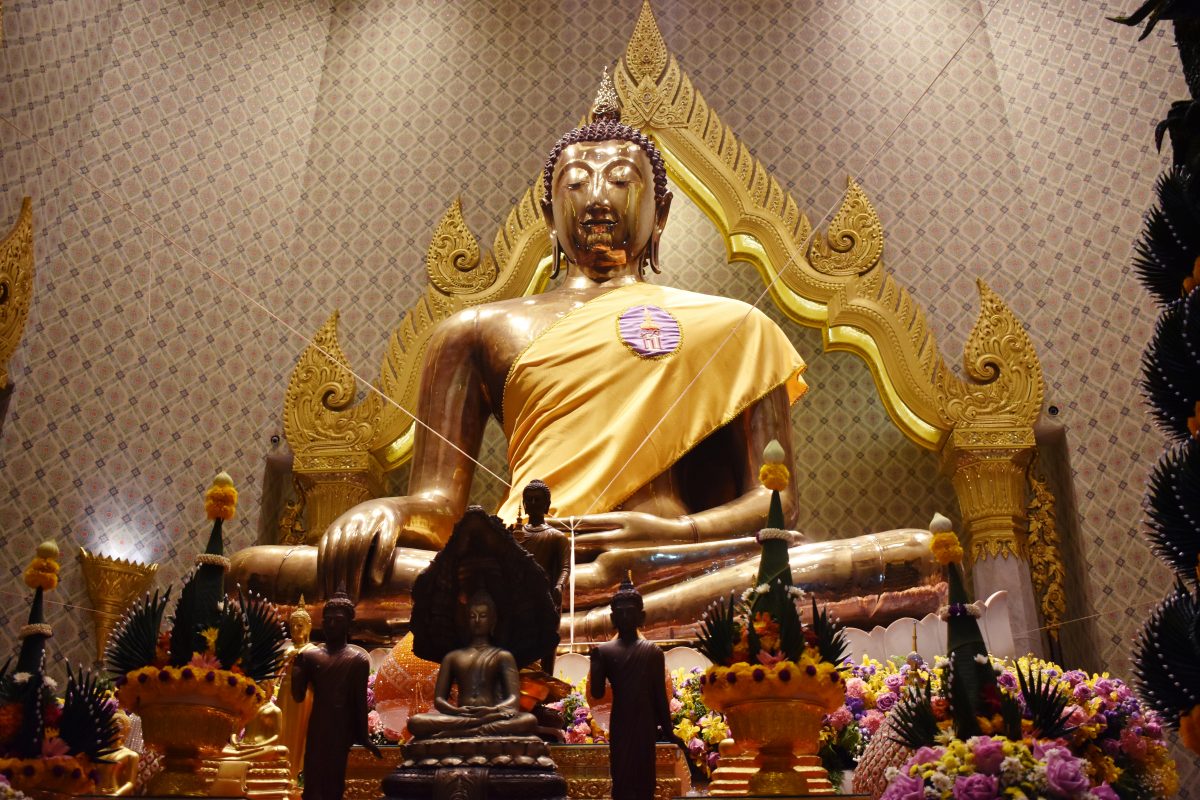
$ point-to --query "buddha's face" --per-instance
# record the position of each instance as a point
(481, 620)
(537, 501)
(300, 628)
(602, 206)
(627, 617)
(335, 624)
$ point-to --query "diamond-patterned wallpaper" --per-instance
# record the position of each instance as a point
(298, 154)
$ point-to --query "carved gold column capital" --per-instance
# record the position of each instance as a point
(987, 467)
(332, 482)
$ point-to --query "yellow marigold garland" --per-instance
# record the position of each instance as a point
(774, 476)
(42, 572)
(231, 690)
(946, 548)
(220, 501)
(810, 679)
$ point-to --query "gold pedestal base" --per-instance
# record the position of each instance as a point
(585, 767)
(365, 773)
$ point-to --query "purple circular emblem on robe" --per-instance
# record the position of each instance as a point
(649, 331)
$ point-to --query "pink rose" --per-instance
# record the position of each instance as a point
(905, 787)
(893, 682)
(674, 705)
(1063, 774)
(1105, 792)
(855, 687)
(976, 787)
(988, 755)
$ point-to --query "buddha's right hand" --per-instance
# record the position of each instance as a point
(356, 550)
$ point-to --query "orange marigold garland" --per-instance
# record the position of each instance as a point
(220, 501)
(42, 572)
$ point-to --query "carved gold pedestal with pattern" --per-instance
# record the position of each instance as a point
(365, 773)
(188, 733)
(784, 736)
(585, 766)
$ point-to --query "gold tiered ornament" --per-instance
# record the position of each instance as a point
(200, 680)
(774, 677)
(49, 745)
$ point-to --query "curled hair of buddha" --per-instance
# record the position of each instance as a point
(340, 602)
(606, 130)
(627, 594)
(536, 486)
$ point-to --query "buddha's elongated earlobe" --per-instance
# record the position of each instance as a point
(557, 255)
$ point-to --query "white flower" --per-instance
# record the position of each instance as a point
(50, 683)
(932, 793)
(940, 524)
(20, 677)
(942, 782)
(981, 659)
(890, 774)
(1011, 769)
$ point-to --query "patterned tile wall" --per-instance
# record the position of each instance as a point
(299, 154)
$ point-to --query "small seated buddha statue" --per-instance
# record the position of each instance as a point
(117, 774)
(261, 739)
(489, 687)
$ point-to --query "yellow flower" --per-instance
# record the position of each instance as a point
(210, 639)
(774, 476)
(946, 548)
(686, 730)
(220, 501)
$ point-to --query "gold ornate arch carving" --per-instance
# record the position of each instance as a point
(982, 425)
(16, 285)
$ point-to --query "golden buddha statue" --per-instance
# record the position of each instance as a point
(261, 740)
(117, 774)
(652, 443)
(295, 713)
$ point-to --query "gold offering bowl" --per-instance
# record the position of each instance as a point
(113, 584)
(784, 734)
(187, 728)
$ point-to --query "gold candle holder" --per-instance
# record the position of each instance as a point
(113, 584)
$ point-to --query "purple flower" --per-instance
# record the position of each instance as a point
(1082, 692)
(988, 755)
(1007, 680)
(810, 670)
(893, 682)
(1105, 792)
(1064, 775)
(976, 787)
(905, 787)
(784, 675)
(758, 674)
(885, 700)
(926, 755)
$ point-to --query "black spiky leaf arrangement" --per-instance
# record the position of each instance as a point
(1167, 261)
(969, 682)
(229, 645)
(48, 744)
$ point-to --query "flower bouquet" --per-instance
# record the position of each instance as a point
(976, 728)
(48, 744)
(202, 678)
(773, 676)
(701, 729)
